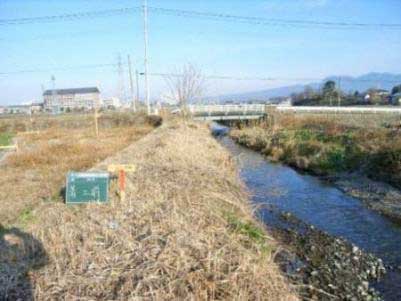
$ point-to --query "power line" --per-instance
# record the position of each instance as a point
(70, 17)
(250, 78)
(273, 21)
(212, 76)
(205, 15)
(218, 77)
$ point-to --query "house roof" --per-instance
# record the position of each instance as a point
(72, 91)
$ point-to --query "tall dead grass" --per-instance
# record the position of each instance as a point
(369, 121)
(185, 231)
(323, 145)
(35, 174)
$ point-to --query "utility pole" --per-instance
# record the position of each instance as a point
(42, 87)
(96, 117)
(120, 72)
(145, 33)
(339, 92)
(54, 93)
(131, 83)
(137, 86)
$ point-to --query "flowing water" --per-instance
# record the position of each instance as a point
(322, 205)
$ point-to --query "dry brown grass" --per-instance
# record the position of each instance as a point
(330, 144)
(36, 173)
(367, 121)
(185, 232)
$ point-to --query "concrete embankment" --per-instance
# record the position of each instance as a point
(185, 231)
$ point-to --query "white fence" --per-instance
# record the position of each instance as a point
(244, 108)
(227, 112)
(342, 110)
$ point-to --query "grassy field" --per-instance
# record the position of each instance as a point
(5, 139)
(34, 176)
(329, 145)
(185, 232)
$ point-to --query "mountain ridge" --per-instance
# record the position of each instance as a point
(380, 80)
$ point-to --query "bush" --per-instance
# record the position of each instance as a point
(385, 165)
(154, 120)
(308, 148)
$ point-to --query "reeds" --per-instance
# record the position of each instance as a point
(330, 144)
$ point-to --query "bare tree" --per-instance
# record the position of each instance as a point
(185, 86)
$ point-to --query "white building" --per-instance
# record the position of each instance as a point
(70, 99)
(111, 103)
(18, 109)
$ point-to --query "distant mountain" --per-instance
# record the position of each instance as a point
(348, 83)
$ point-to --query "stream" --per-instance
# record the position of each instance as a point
(320, 204)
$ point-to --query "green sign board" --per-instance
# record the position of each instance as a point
(87, 187)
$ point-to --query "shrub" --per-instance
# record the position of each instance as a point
(308, 148)
(154, 120)
(385, 165)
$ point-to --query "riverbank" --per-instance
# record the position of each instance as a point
(378, 196)
(329, 268)
(358, 161)
(185, 231)
(332, 242)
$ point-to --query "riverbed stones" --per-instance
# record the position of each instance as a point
(332, 266)
(378, 196)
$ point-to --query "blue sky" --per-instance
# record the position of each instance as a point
(215, 47)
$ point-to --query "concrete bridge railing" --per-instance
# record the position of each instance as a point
(257, 111)
(227, 112)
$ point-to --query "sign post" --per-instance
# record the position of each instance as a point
(121, 169)
(121, 184)
(87, 187)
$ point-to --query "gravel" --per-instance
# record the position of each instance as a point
(325, 267)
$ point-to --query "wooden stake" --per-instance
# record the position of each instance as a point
(96, 123)
(121, 184)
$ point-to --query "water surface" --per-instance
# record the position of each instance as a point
(322, 205)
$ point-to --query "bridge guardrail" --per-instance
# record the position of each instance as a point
(227, 108)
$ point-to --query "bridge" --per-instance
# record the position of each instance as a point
(233, 112)
(227, 112)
